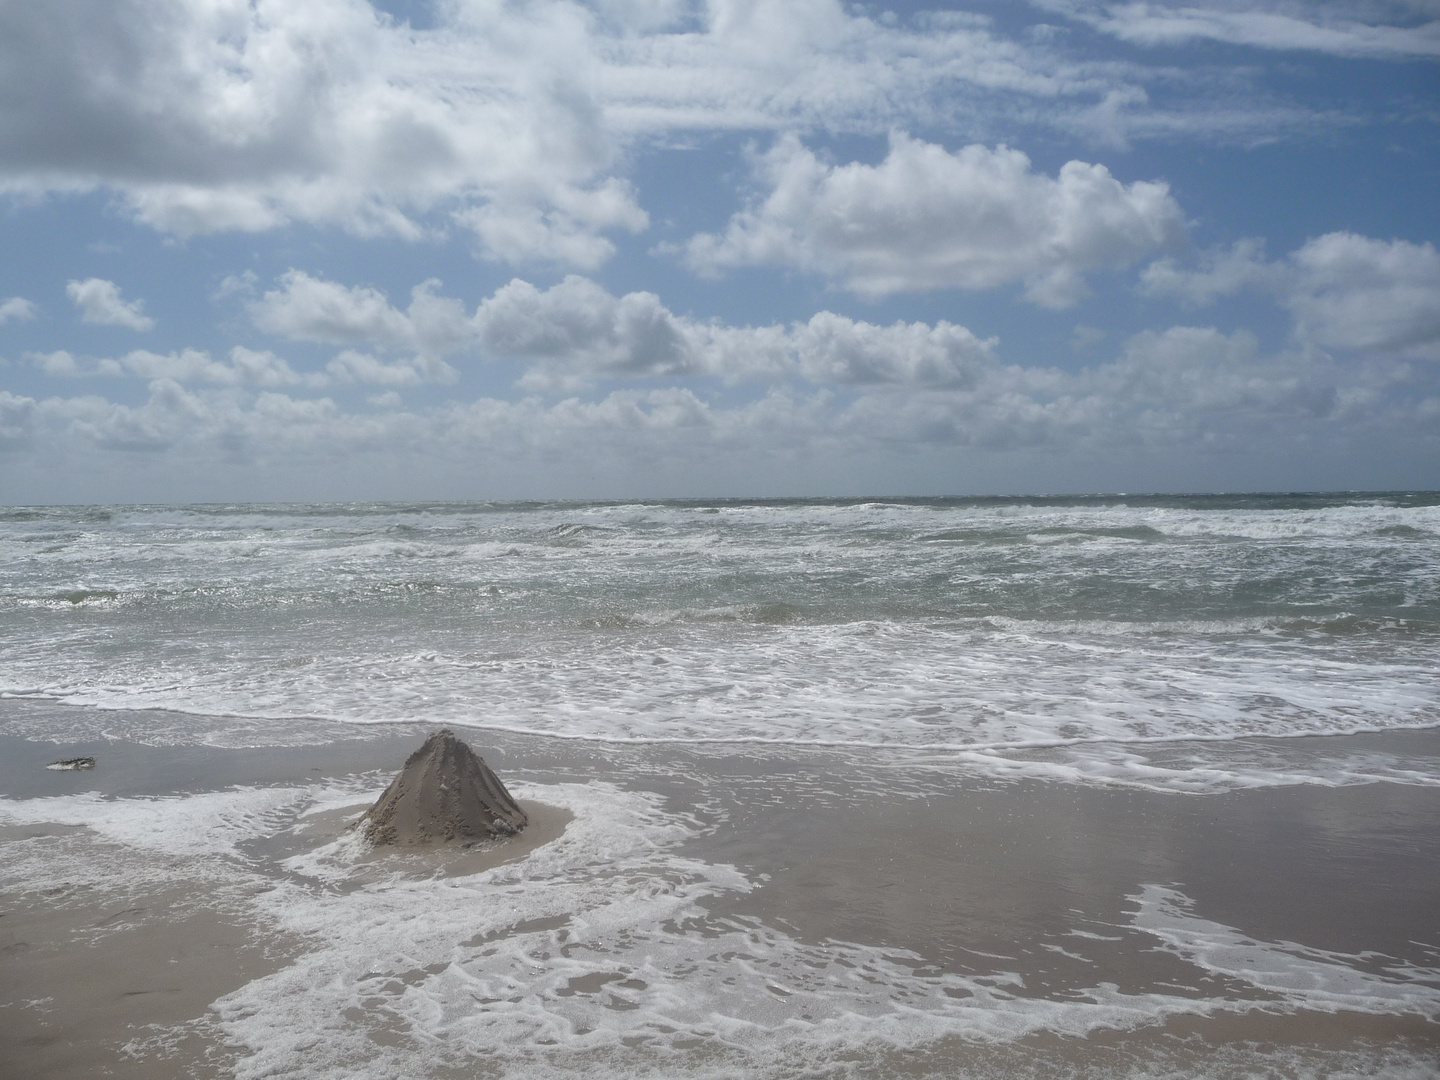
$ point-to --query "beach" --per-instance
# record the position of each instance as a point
(836, 828)
(981, 927)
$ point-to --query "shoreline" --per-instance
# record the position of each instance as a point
(137, 764)
(950, 869)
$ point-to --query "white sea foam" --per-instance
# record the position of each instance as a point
(1298, 977)
(601, 942)
(599, 951)
(1222, 769)
(986, 629)
(984, 695)
(209, 824)
(884, 683)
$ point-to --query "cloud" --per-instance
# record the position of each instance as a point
(1352, 292)
(1327, 27)
(567, 232)
(579, 326)
(1186, 386)
(577, 330)
(209, 116)
(17, 420)
(1344, 291)
(824, 66)
(830, 380)
(105, 425)
(1187, 376)
(59, 364)
(1194, 388)
(309, 309)
(351, 366)
(837, 350)
(305, 308)
(925, 218)
(17, 308)
(99, 302)
(246, 367)
(1241, 268)
(515, 122)
(241, 284)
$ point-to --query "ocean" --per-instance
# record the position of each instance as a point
(1029, 786)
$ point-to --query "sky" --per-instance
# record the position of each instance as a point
(477, 249)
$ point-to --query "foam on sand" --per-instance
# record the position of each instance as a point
(604, 950)
(599, 951)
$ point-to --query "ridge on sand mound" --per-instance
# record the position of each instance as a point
(444, 793)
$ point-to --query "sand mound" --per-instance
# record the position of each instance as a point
(444, 793)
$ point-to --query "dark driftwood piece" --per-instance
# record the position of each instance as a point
(444, 793)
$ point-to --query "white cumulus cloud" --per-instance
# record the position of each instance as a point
(516, 122)
(352, 366)
(306, 308)
(1240, 268)
(59, 364)
(577, 331)
(211, 115)
(245, 367)
(1352, 292)
(926, 218)
(99, 302)
(579, 326)
(1187, 387)
(1345, 291)
(17, 308)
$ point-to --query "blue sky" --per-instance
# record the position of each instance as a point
(478, 249)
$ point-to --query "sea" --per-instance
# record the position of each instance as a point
(1070, 786)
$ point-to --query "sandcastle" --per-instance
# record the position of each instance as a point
(444, 794)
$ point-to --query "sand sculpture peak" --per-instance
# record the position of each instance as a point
(444, 793)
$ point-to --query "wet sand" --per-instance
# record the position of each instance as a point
(110, 979)
(1002, 874)
(115, 978)
(95, 983)
(96, 978)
